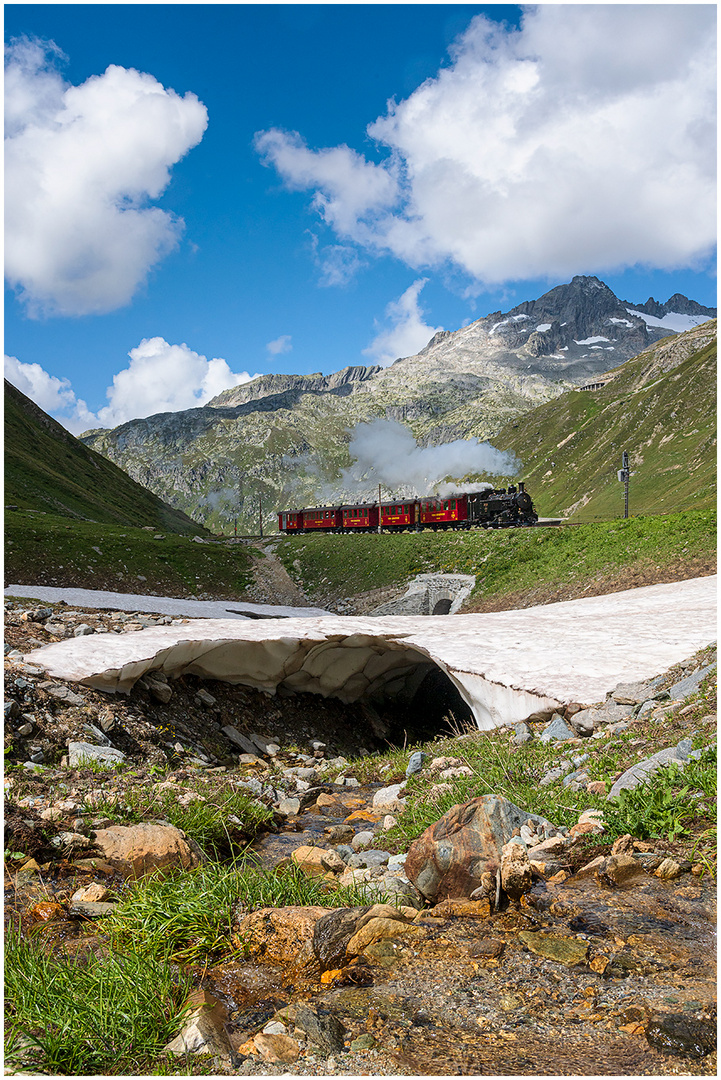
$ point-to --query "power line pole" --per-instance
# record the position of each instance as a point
(260, 512)
(379, 508)
(623, 476)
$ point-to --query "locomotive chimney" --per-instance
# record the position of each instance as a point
(521, 487)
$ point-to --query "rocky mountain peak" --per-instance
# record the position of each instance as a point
(677, 304)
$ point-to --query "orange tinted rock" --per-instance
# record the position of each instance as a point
(284, 935)
(139, 850)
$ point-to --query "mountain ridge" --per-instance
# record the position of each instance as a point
(284, 438)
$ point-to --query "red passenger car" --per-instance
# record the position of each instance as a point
(438, 513)
(323, 518)
(290, 521)
(361, 517)
(399, 516)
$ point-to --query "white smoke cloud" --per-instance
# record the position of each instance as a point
(385, 452)
(537, 152)
(407, 333)
(81, 163)
(160, 378)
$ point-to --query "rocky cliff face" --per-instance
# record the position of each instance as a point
(283, 439)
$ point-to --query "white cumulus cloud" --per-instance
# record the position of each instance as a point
(583, 140)
(282, 344)
(405, 332)
(54, 396)
(81, 164)
(160, 378)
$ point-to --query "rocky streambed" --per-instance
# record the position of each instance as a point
(487, 938)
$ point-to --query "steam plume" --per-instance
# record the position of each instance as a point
(385, 452)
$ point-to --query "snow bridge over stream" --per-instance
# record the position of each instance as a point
(505, 665)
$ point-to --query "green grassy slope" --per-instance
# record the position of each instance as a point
(49, 470)
(527, 565)
(45, 549)
(661, 407)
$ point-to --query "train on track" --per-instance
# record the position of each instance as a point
(487, 509)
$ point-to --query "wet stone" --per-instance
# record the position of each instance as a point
(332, 934)
(553, 947)
(322, 1028)
(487, 949)
(681, 1035)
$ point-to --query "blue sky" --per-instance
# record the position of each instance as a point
(200, 193)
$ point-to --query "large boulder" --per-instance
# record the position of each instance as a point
(280, 935)
(139, 850)
(450, 857)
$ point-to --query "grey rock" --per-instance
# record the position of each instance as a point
(160, 691)
(62, 693)
(364, 859)
(583, 722)
(557, 731)
(685, 687)
(70, 840)
(32, 766)
(204, 698)
(240, 740)
(362, 839)
(82, 753)
(83, 630)
(100, 736)
(631, 693)
(12, 709)
(289, 806)
(252, 786)
(640, 772)
(577, 776)
(345, 851)
(389, 798)
(522, 734)
(415, 763)
(26, 729)
(90, 909)
(263, 744)
(552, 775)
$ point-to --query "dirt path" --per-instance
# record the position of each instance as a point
(272, 584)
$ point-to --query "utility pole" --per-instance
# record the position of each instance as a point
(260, 512)
(623, 475)
(379, 509)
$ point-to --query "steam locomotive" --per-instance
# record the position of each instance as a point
(488, 509)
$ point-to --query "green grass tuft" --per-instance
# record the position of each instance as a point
(90, 1013)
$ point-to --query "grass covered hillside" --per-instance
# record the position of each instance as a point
(45, 549)
(661, 407)
(47, 469)
(513, 567)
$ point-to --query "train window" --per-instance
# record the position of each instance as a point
(453, 504)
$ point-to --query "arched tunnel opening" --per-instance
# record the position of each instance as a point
(405, 695)
(436, 708)
(442, 607)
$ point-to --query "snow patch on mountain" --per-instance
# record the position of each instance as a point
(672, 321)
